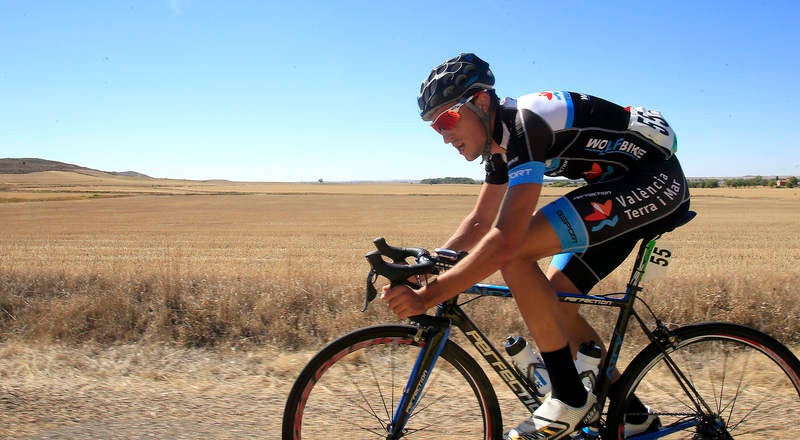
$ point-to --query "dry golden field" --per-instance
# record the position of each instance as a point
(149, 306)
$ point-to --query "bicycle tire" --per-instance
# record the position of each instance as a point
(750, 382)
(350, 389)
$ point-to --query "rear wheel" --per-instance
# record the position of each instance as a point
(726, 381)
(350, 390)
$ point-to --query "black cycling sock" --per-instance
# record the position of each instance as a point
(566, 383)
(637, 412)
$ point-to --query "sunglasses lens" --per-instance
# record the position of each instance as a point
(447, 120)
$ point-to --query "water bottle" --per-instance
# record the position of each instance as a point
(587, 363)
(529, 363)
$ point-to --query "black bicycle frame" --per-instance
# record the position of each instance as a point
(435, 331)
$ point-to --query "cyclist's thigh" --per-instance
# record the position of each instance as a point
(542, 239)
(587, 268)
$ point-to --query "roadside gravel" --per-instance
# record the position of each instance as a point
(135, 391)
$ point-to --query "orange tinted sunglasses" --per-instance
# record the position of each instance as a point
(450, 117)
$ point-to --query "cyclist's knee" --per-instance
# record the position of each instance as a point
(560, 281)
(518, 271)
(517, 266)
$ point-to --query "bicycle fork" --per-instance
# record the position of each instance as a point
(434, 338)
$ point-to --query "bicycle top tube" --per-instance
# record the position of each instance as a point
(504, 292)
(398, 272)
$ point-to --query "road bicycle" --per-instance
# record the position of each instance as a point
(711, 380)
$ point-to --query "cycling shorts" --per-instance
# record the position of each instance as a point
(599, 224)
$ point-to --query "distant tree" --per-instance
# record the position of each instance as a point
(320, 180)
(752, 181)
(791, 182)
(705, 183)
(449, 180)
(735, 183)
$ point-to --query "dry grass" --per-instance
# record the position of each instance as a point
(283, 264)
(202, 269)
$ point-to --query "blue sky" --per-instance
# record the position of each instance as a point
(298, 91)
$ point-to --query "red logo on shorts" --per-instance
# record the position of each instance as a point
(601, 211)
(602, 214)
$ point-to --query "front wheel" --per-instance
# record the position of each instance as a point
(715, 381)
(350, 389)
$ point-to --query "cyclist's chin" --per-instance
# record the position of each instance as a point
(470, 155)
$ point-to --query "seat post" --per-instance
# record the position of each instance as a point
(642, 257)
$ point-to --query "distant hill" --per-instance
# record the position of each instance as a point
(33, 165)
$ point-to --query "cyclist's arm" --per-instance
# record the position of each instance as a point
(478, 222)
(496, 248)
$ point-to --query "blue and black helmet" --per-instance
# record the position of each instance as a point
(452, 80)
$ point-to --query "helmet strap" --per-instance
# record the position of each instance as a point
(486, 120)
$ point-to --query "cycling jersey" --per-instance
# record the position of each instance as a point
(635, 185)
(577, 136)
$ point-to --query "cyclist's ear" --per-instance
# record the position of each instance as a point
(483, 101)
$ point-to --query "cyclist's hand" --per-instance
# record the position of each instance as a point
(403, 301)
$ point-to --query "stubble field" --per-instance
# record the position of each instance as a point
(138, 307)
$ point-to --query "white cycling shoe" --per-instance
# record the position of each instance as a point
(555, 420)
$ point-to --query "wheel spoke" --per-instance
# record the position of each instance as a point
(748, 381)
(351, 388)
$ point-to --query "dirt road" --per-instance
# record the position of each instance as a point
(151, 392)
(137, 391)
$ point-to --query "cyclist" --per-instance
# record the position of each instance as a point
(635, 187)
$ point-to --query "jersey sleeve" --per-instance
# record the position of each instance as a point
(496, 170)
(530, 138)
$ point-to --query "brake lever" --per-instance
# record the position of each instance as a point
(397, 272)
(372, 292)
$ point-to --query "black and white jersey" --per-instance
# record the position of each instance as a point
(576, 136)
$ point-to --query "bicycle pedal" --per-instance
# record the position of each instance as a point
(586, 433)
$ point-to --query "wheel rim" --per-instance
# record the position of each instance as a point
(354, 393)
(743, 390)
